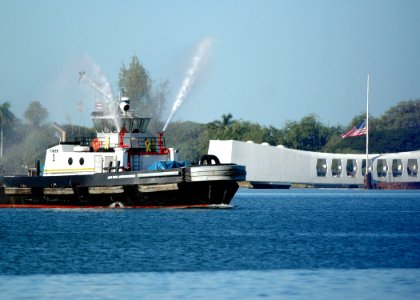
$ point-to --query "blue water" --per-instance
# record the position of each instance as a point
(272, 244)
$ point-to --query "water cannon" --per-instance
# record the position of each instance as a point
(162, 148)
(124, 104)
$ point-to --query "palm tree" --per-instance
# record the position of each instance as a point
(227, 120)
(36, 114)
(224, 123)
(6, 119)
(219, 129)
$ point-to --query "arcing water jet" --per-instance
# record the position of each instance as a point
(190, 77)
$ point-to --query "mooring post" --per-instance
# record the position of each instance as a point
(368, 181)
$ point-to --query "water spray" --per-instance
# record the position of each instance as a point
(104, 92)
(190, 77)
(112, 106)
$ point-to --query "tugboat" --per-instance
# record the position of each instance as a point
(122, 166)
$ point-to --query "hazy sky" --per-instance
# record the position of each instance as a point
(269, 61)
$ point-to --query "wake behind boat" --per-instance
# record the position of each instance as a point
(123, 166)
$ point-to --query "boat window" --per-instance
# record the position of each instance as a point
(397, 167)
(137, 124)
(364, 166)
(81, 161)
(105, 126)
(98, 125)
(145, 124)
(125, 123)
(108, 125)
(321, 167)
(336, 168)
(381, 167)
(113, 125)
(351, 168)
(412, 167)
(70, 161)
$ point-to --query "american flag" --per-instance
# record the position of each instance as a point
(356, 131)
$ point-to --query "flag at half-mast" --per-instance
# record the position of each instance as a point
(356, 131)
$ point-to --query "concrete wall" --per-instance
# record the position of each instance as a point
(279, 164)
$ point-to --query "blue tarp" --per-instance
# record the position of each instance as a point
(164, 165)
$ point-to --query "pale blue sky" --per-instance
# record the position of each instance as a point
(270, 60)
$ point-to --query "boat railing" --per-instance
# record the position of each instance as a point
(84, 140)
(146, 144)
(143, 144)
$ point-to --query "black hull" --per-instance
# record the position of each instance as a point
(269, 185)
(186, 195)
(169, 188)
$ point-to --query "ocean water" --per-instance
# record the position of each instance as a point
(272, 244)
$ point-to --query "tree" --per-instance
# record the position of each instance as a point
(36, 114)
(6, 119)
(135, 83)
(227, 120)
(406, 114)
(229, 129)
(219, 129)
(190, 138)
(398, 129)
(308, 134)
(35, 143)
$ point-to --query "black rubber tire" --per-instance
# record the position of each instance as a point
(208, 159)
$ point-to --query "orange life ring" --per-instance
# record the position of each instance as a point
(96, 144)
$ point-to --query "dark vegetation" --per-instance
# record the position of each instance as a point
(397, 130)
(25, 141)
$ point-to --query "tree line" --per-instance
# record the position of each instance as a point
(397, 130)
(25, 141)
(22, 142)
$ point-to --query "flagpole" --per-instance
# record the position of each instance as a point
(368, 175)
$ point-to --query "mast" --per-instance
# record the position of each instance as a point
(1, 142)
(368, 174)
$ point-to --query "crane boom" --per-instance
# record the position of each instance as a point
(95, 86)
(112, 104)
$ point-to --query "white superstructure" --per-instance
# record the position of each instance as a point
(265, 163)
(121, 142)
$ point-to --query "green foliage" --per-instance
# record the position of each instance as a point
(308, 134)
(6, 116)
(35, 143)
(36, 114)
(397, 130)
(229, 129)
(190, 138)
(405, 114)
(28, 146)
(135, 83)
(6, 120)
(394, 140)
(25, 143)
